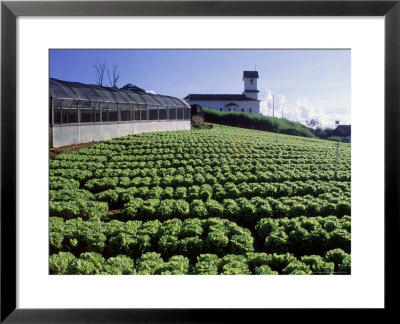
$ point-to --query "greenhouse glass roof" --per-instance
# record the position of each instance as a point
(59, 89)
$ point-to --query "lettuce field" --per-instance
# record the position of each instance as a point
(215, 201)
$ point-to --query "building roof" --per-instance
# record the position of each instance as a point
(250, 74)
(65, 90)
(255, 91)
(219, 97)
(342, 130)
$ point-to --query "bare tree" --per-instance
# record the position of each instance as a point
(100, 70)
(113, 76)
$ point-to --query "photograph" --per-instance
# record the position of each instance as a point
(199, 161)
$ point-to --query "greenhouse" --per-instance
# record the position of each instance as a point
(81, 113)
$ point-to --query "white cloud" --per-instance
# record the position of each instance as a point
(268, 94)
(271, 104)
(304, 111)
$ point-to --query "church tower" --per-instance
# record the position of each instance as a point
(250, 84)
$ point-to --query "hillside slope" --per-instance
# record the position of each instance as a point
(258, 122)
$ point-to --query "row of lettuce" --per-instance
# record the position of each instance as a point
(239, 209)
(270, 161)
(225, 140)
(151, 263)
(216, 191)
(192, 237)
(163, 177)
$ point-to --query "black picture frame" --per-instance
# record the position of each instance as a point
(10, 10)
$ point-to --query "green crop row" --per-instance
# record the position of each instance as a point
(133, 169)
(100, 184)
(200, 175)
(85, 165)
(305, 234)
(240, 209)
(81, 157)
(79, 208)
(152, 263)
(190, 237)
(229, 190)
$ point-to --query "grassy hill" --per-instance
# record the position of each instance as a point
(258, 122)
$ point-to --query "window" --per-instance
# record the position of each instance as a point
(163, 113)
(57, 115)
(172, 113)
(249, 109)
(125, 112)
(68, 112)
(242, 110)
(112, 112)
(187, 113)
(87, 114)
(88, 111)
(97, 112)
(104, 113)
(229, 109)
(143, 113)
(136, 112)
(251, 81)
(153, 113)
(220, 109)
(179, 113)
(69, 115)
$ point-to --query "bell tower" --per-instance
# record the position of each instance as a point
(250, 84)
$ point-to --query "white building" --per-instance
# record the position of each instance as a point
(246, 102)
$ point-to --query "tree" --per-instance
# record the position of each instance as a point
(100, 70)
(313, 123)
(113, 76)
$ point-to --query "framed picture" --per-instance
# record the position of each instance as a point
(183, 25)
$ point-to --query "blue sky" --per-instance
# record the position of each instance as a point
(306, 83)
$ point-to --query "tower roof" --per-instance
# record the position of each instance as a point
(250, 74)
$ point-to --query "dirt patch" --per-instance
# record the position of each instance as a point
(54, 151)
(114, 212)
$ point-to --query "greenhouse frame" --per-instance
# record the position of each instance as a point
(81, 113)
